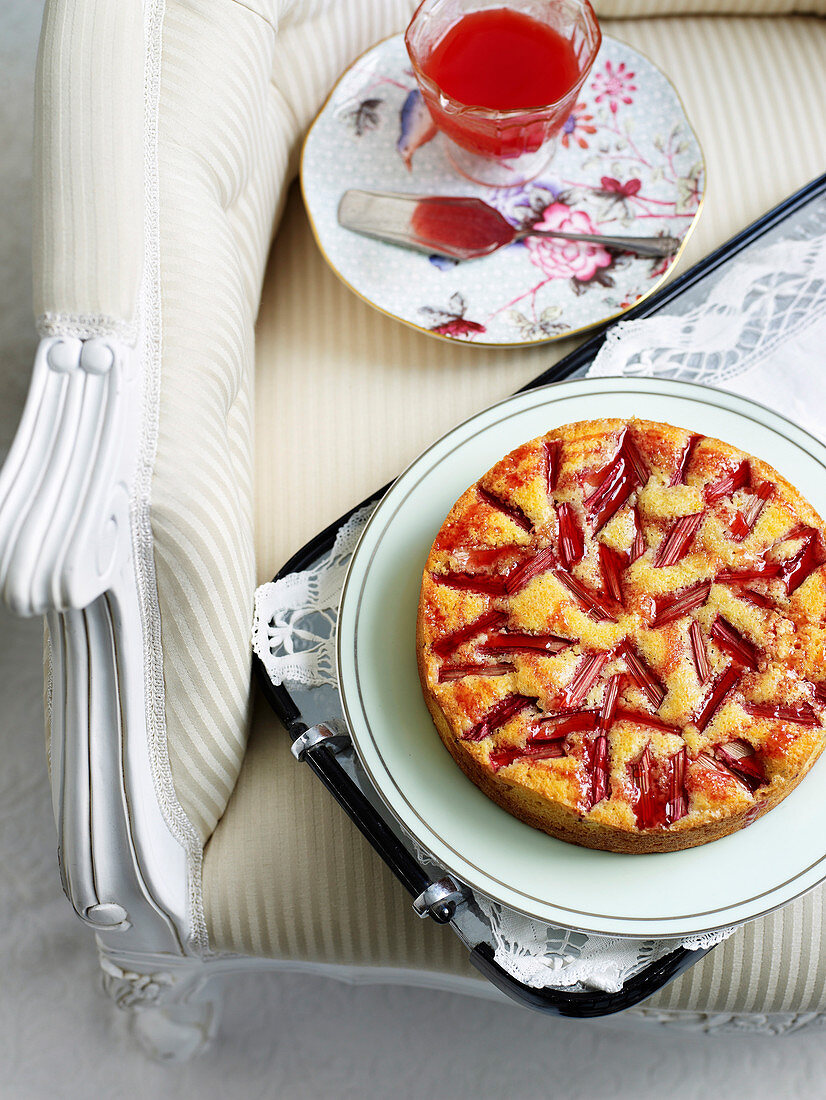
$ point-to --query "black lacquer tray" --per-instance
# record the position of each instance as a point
(318, 750)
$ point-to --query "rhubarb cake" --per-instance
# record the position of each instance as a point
(622, 635)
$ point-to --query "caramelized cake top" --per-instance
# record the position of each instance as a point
(629, 618)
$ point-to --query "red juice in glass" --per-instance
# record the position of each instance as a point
(506, 61)
(500, 81)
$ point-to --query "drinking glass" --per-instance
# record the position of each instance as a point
(501, 148)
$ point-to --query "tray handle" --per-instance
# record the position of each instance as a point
(318, 747)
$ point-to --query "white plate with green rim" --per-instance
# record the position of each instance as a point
(728, 881)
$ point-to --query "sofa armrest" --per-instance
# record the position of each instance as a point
(74, 506)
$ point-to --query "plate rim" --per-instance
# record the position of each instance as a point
(659, 927)
(569, 333)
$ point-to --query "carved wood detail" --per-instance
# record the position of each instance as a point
(64, 489)
(66, 551)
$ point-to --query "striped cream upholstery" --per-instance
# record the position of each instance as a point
(222, 154)
(88, 155)
(285, 874)
(227, 150)
(776, 964)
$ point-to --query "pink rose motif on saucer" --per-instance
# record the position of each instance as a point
(567, 259)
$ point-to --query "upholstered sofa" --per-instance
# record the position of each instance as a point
(206, 396)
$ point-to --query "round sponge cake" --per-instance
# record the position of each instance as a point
(622, 635)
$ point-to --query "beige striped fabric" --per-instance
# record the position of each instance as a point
(220, 157)
(288, 876)
(285, 875)
(88, 174)
(227, 150)
(776, 964)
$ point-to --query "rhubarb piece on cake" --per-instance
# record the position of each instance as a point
(621, 635)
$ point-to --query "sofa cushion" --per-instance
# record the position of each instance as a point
(235, 97)
(345, 397)
(288, 876)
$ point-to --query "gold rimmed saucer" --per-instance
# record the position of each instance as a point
(628, 163)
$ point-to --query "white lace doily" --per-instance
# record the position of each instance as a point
(763, 324)
(760, 335)
(294, 625)
(542, 955)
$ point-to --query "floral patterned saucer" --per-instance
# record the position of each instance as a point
(628, 162)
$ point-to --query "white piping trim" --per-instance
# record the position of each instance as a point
(151, 349)
(86, 326)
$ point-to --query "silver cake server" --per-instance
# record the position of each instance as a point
(462, 228)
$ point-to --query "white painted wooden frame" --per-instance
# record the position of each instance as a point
(69, 528)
